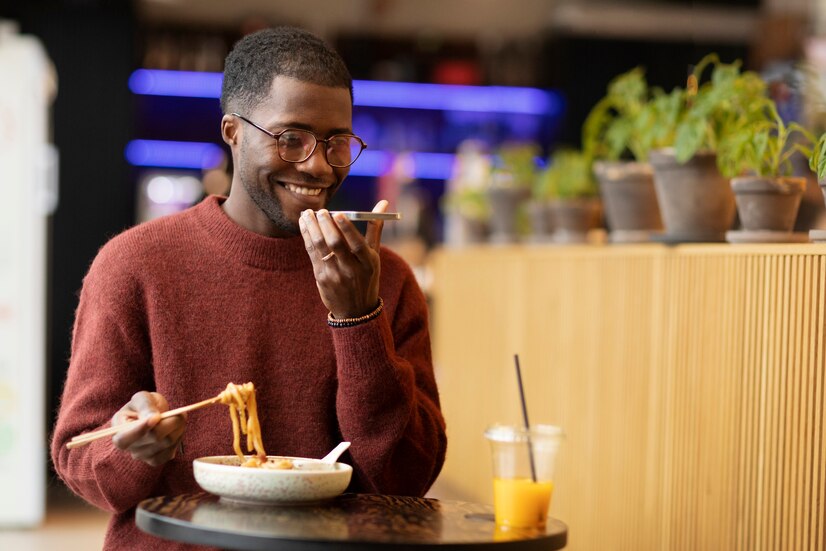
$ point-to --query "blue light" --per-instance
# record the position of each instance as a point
(372, 163)
(200, 155)
(427, 166)
(486, 99)
(189, 84)
(435, 166)
(171, 154)
(400, 95)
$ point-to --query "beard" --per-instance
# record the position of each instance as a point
(265, 198)
(270, 205)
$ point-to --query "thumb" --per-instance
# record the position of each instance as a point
(374, 227)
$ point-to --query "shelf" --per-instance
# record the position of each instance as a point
(650, 22)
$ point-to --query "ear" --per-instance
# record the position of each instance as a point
(230, 130)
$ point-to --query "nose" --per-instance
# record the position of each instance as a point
(316, 164)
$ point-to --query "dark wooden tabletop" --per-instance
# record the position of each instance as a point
(348, 522)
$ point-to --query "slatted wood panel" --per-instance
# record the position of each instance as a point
(689, 381)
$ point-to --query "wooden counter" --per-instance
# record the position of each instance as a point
(689, 381)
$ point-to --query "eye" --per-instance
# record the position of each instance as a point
(339, 142)
(293, 139)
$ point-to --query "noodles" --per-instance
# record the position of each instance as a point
(244, 415)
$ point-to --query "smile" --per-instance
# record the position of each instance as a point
(302, 190)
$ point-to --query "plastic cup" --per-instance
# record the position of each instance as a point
(519, 499)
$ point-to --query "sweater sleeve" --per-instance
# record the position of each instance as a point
(387, 401)
(110, 361)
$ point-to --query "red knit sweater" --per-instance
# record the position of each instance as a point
(187, 303)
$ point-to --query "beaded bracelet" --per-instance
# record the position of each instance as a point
(350, 322)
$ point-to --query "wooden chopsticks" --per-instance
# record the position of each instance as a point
(83, 439)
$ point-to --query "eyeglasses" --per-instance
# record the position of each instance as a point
(296, 145)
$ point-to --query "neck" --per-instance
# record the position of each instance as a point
(243, 211)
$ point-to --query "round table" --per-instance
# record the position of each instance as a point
(348, 522)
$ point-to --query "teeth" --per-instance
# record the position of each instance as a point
(302, 190)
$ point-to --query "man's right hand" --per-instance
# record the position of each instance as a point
(154, 441)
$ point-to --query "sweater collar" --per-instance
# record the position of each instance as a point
(253, 249)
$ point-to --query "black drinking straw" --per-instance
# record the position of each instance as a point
(525, 415)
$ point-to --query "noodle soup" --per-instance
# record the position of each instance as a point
(306, 481)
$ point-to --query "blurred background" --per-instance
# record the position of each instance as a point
(126, 112)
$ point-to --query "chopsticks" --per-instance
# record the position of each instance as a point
(83, 439)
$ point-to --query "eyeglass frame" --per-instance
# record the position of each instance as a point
(275, 136)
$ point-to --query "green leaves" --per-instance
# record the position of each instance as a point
(470, 203)
(729, 99)
(519, 160)
(610, 128)
(722, 109)
(817, 158)
(657, 122)
(756, 140)
(617, 137)
(568, 175)
(595, 127)
(691, 136)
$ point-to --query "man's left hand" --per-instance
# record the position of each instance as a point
(345, 263)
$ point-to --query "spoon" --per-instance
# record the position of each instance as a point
(334, 454)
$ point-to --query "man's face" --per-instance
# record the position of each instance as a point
(279, 190)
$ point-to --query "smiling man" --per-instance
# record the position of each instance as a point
(263, 286)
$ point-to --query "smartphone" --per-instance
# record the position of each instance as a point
(365, 215)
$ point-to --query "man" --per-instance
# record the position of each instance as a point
(265, 286)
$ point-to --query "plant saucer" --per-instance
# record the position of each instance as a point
(766, 236)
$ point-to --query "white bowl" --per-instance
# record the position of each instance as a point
(309, 481)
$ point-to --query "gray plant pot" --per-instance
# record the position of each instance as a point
(542, 221)
(696, 201)
(473, 231)
(818, 235)
(822, 184)
(629, 199)
(765, 203)
(505, 203)
(574, 218)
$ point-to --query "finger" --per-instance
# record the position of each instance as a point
(163, 450)
(374, 227)
(333, 234)
(161, 457)
(144, 404)
(354, 242)
(132, 435)
(314, 240)
(124, 415)
(178, 433)
(154, 449)
(170, 426)
(160, 401)
(308, 243)
(166, 434)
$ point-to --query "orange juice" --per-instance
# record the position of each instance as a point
(521, 502)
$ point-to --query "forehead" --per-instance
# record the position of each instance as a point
(293, 101)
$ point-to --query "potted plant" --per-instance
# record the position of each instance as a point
(569, 185)
(540, 217)
(510, 187)
(471, 210)
(682, 129)
(817, 162)
(756, 151)
(465, 203)
(627, 189)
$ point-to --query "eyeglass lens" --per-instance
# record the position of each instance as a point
(297, 146)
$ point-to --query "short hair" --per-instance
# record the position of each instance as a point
(258, 58)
